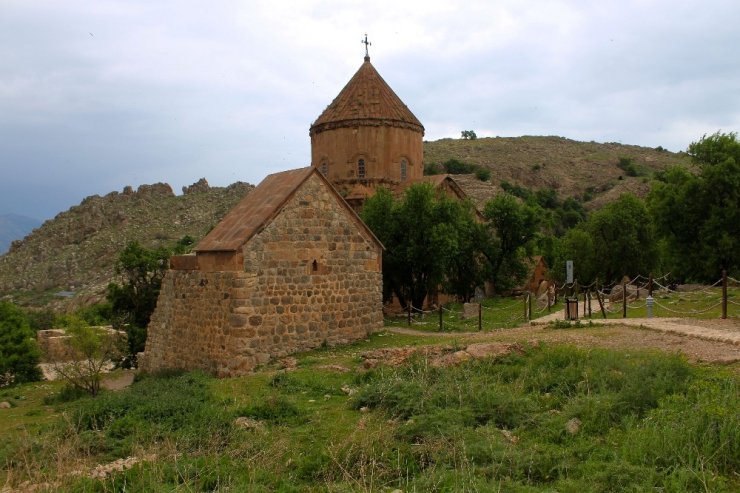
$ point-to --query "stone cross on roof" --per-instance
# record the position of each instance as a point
(366, 43)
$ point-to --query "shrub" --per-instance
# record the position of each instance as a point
(455, 167)
(19, 353)
(483, 173)
(432, 169)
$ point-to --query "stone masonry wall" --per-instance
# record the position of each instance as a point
(382, 147)
(312, 276)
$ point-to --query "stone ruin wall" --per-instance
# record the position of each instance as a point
(311, 277)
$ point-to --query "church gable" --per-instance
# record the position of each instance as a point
(306, 271)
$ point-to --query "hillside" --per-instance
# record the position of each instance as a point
(14, 227)
(585, 170)
(76, 251)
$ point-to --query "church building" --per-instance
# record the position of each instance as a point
(292, 266)
(366, 138)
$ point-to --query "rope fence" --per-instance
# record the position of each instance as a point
(647, 295)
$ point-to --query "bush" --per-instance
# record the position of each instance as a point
(627, 165)
(432, 169)
(483, 173)
(455, 167)
(19, 353)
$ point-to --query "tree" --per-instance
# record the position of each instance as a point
(512, 226)
(698, 215)
(468, 135)
(424, 234)
(91, 350)
(577, 245)
(133, 301)
(19, 353)
(623, 239)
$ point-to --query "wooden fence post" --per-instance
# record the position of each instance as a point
(724, 293)
(480, 316)
(624, 299)
(650, 285)
(408, 307)
(529, 315)
(441, 327)
(599, 299)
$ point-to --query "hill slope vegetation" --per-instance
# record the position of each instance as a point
(76, 251)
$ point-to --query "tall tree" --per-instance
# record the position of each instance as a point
(133, 302)
(512, 226)
(424, 234)
(577, 245)
(698, 215)
(623, 239)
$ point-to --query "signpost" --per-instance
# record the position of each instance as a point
(569, 271)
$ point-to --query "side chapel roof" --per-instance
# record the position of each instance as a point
(366, 100)
(259, 208)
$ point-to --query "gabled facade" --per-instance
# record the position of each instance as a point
(290, 268)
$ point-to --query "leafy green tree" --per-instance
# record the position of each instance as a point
(19, 353)
(468, 135)
(576, 245)
(624, 242)
(378, 214)
(698, 215)
(133, 302)
(512, 227)
(468, 268)
(424, 234)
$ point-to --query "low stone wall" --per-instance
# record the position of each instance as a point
(54, 344)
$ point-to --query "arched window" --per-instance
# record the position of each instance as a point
(404, 171)
(324, 168)
(361, 169)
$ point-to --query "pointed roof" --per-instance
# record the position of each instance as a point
(366, 100)
(259, 208)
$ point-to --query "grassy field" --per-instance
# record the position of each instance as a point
(496, 314)
(546, 418)
(705, 303)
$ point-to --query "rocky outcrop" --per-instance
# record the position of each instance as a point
(77, 250)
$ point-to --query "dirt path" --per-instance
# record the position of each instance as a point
(712, 341)
(727, 331)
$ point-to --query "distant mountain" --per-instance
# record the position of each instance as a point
(15, 227)
(77, 250)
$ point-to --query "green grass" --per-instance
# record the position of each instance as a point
(703, 304)
(647, 422)
(497, 313)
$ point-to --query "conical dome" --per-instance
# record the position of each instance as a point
(366, 100)
(367, 138)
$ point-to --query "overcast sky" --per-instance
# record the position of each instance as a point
(99, 94)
